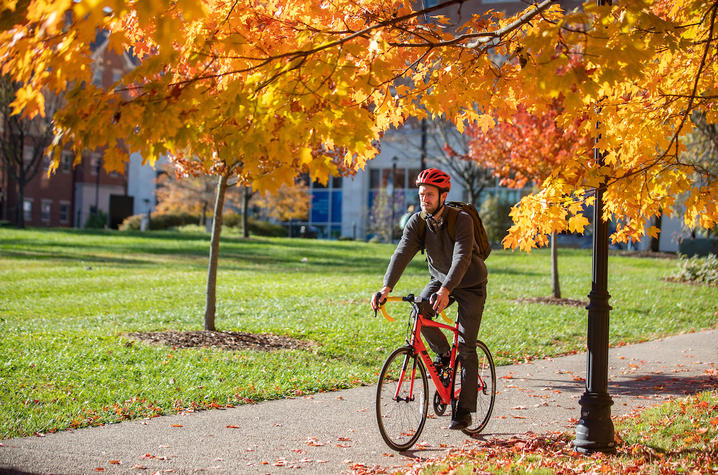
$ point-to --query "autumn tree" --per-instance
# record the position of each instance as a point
(524, 151)
(190, 194)
(287, 203)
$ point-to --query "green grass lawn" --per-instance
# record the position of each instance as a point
(67, 299)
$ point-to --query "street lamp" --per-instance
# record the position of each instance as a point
(594, 431)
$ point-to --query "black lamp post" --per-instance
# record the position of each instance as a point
(594, 431)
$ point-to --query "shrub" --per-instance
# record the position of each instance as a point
(698, 269)
(96, 220)
(161, 221)
(495, 216)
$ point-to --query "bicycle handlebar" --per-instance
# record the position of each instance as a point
(408, 298)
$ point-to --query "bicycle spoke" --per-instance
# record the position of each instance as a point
(401, 412)
(486, 390)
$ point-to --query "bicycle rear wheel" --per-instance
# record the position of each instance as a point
(402, 401)
(487, 389)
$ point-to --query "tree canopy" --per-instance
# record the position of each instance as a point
(266, 90)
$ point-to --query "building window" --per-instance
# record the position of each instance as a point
(27, 209)
(26, 154)
(64, 212)
(94, 164)
(325, 215)
(97, 76)
(116, 76)
(66, 160)
(46, 209)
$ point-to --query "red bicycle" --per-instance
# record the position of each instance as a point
(402, 395)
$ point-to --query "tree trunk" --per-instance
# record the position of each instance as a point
(656, 241)
(20, 205)
(203, 215)
(211, 302)
(246, 195)
(554, 266)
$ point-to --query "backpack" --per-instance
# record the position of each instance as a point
(453, 208)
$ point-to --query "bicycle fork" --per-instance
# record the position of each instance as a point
(410, 396)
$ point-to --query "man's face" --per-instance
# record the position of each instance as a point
(430, 198)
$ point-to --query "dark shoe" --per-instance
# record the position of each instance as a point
(442, 361)
(461, 419)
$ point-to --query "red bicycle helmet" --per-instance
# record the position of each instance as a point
(434, 177)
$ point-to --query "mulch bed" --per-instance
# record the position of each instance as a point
(223, 340)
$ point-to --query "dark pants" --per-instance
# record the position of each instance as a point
(471, 307)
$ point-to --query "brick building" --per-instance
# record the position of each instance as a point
(72, 194)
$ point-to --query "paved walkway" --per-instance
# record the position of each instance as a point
(336, 432)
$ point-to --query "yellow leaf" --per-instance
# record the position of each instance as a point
(29, 101)
(576, 224)
(305, 156)
(485, 122)
(653, 231)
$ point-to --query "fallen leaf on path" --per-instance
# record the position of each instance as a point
(177, 425)
(232, 427)
(115, 462)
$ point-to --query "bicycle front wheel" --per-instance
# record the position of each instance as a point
(487, 389)
(402, 401)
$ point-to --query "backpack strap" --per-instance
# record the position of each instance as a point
(422, 230)
(451, 220)
(451, 215)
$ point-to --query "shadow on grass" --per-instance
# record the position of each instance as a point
(236, 253)
(281, 255)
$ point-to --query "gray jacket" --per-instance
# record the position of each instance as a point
(453, 263)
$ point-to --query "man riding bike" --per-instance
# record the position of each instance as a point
(457, 274)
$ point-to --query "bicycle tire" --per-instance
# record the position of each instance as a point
(402, 421)
(487, 389)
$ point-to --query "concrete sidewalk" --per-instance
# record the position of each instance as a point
(337, 433)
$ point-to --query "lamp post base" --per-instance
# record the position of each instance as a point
(594, 431)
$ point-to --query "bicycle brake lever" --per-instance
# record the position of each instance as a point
(377, 296)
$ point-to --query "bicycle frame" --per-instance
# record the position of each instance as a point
(417, 343)
(418, 347)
